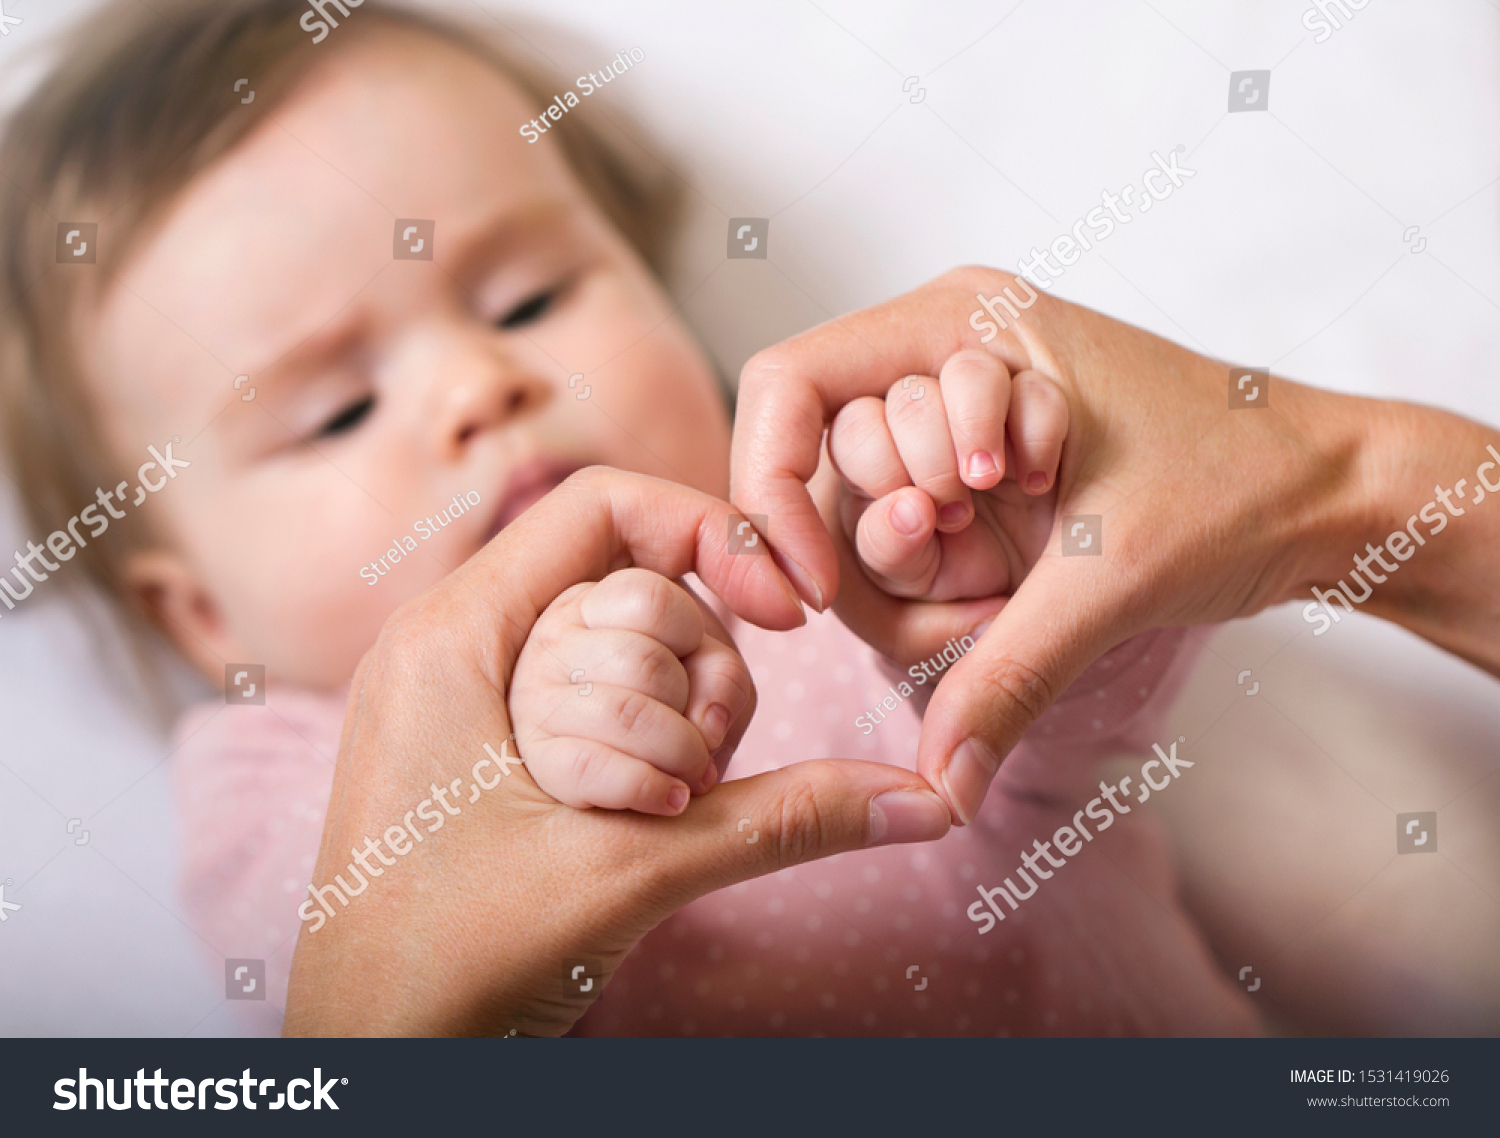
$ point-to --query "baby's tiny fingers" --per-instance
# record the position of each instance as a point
(1038, 427)
(862, 450)
(919, 426)
(896, 539)
(623, 718)
(721, 694)
(584, 772)
(639, 600)
(624, 659)
(976, 395)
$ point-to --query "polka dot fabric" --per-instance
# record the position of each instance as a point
(878, 942)
(875, 942)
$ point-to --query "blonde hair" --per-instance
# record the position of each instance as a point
(141, 102)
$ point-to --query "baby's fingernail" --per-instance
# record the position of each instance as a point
(1036, 481)
(954, 513)
(710, 777)
(715, 725)
(677, 799)
(981, 628)
(907, 816)
(967, 777)
(982, 464)
(905, 517)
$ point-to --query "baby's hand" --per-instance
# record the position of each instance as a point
(629, 695)
(948, 483)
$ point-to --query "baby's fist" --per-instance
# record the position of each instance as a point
(947, 482)
(629, 695)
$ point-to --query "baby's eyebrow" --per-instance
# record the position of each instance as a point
(315, 352)
(477, 251)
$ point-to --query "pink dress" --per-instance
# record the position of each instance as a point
(876, 942)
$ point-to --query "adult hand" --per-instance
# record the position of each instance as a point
(1204, 511)
(478, 926)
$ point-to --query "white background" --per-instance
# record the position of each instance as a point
(1284, 250)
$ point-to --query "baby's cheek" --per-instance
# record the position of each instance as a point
(309, 619)
(663, 412)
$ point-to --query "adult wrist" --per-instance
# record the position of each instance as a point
(1349, 494)
(1407, 533)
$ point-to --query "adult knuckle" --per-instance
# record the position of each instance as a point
(1007, 684)
(411, 638)
(764, 368)
(590, 478)
(967, 276)
(804, 827)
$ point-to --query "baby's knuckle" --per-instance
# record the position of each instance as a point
(972, 359)
(901, 408)
(974, 420)
(644, 594)
(656, 595)
(584, 768)
(729, 683)
(634, 712)
(656, 669)
(850, 433)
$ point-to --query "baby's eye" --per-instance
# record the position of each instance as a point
(347, 419)
(528, 311)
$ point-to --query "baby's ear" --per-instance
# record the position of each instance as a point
(179, 607)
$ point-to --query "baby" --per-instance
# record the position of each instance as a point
(379, 322)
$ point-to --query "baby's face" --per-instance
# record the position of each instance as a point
(383, 388)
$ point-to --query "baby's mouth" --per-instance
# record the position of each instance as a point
(528, 484)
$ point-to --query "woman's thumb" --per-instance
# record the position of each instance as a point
(750, 827)
(1051, 629)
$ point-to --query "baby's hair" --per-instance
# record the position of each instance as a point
(144, 99)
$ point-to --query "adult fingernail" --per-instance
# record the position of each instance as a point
(905, 517)
(954, 513)
(1036, 481)
(982, 464)
(715, 725)
(981, 628)
(677, 799)
(907, 816)
(967, 777)
(804, 584)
